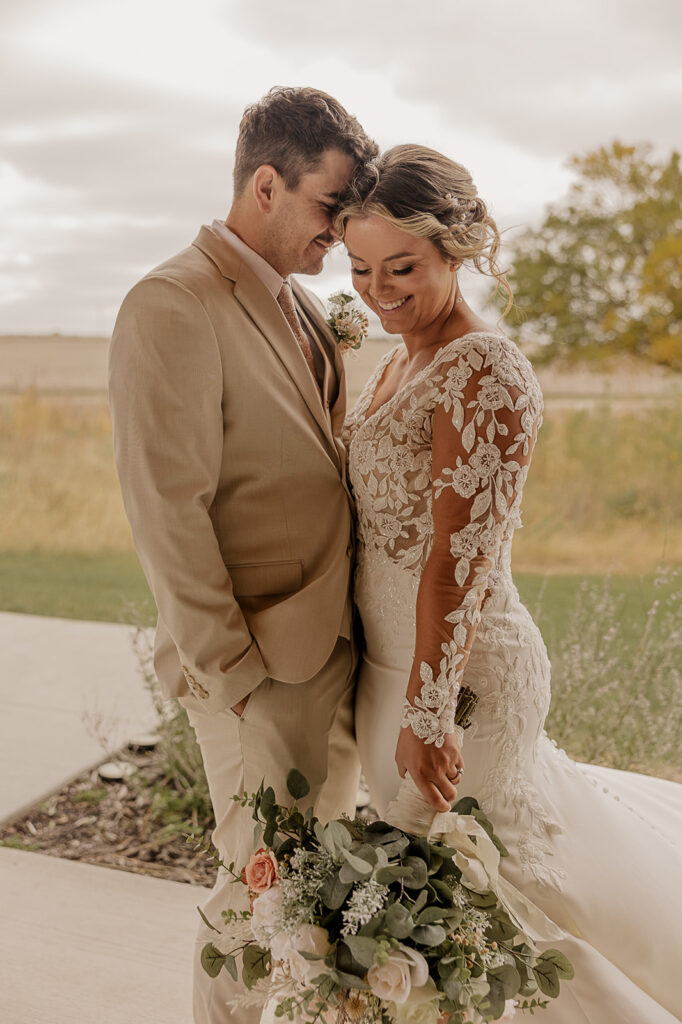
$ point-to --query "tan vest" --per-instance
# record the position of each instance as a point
(232, 473)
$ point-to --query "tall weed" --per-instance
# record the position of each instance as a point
(181, 797)
(617, 693)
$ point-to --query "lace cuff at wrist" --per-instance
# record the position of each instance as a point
(440, 709)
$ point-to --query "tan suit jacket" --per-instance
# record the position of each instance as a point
(232, 475)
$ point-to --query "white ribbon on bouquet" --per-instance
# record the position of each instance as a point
(478, 861)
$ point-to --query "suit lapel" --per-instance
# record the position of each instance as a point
(265, 312)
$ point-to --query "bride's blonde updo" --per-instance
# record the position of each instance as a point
(428, 195)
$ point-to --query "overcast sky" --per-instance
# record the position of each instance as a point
(118, 119)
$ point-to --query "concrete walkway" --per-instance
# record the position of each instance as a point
(70, 696)
(90, 945)
(78, 942)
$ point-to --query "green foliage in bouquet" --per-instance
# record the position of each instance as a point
(367, 922)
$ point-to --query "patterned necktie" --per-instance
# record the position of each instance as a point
(286, 303)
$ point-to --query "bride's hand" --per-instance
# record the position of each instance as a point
(431, 768)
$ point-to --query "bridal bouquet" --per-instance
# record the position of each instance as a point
(357, 922)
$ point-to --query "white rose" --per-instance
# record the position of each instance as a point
(266, 914)
(282, 946)
(474, 875)
(393, 980)
(309, 938)
(422, 1007)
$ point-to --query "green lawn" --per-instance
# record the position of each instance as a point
(104, 588)
(112, 588)
(615, 645)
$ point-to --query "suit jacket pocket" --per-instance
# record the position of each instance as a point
(262, 579)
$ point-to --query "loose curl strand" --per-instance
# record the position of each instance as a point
(430, 196)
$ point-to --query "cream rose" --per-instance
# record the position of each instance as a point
(261, 872)
(393, 980)
(422, 1007)
(266, 914)
(308, 938)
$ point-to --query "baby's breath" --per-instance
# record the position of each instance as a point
(301, 879)
(365, 901)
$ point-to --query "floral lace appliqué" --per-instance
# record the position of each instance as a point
(469, 420)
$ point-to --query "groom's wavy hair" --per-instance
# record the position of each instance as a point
(430, 196)
(290, 129)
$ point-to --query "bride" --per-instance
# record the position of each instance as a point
(440, 444)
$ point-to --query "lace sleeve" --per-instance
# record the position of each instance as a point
(484, 427)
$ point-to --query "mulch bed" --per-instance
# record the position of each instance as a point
(110, 824)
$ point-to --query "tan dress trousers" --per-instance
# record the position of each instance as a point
(308, 726)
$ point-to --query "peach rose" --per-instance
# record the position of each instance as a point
(261, 872)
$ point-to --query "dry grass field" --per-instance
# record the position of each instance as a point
(604, 493)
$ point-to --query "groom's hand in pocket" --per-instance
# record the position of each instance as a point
(431, 768)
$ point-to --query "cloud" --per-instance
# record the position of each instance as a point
(118, 121)
(550, 78)
(99, 180)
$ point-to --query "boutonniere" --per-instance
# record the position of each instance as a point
(347, 320)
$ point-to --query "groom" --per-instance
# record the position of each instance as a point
(228, 396)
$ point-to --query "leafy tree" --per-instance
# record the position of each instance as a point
(603, 272)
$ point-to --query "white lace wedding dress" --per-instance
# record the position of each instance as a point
(437, 473)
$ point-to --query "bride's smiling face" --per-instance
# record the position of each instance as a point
(404, 279)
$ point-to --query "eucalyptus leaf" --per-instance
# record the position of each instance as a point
(381, 832)
(212, 960)
(496, 997)
(443, 891)
(231, 967)
(508, 977)
(545, 973)
(483, 900)
(346, 963)
(339, 836)
(362, 949)
(350, 873)
(268, 802)
(255, 964)
(430, 915)
(429, 934)
(421, 847)
(333, 891)
(297, 784)
(419, 903)
(452, 988)
(270, 833)
(419, 875)
(206, 921)
(392, 873)
(350, 981)
(395, 848)
(398, 921)
(501, 928)
(465, 805)
(564, 967)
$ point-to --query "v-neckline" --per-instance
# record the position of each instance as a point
(367, 415)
